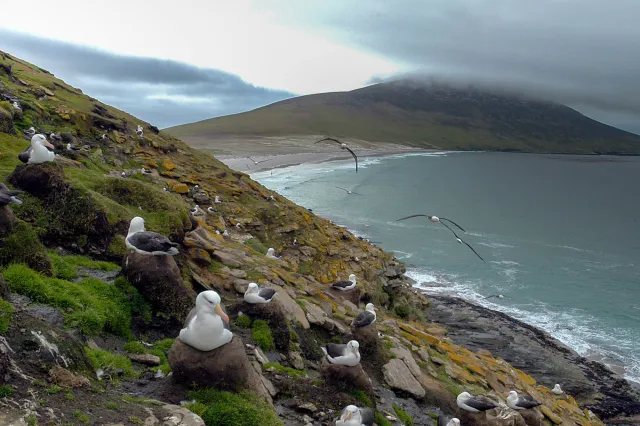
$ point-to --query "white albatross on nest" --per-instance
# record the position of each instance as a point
(340, 354)
(447, 421)
(355, 416)
(474, 404)
(140, 132)
(206, 326)
(38, 152)
(271, 254)
(520, 402)
(366, 317)
(345, 285)
(255, 294)
(557, 390)
(147, 242)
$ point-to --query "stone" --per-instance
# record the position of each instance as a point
(423, 354)
(146, 359)
(343, 378)
(66, 379)
(306, 407)
(551, 415)
(532, 417)
(405, 355)
(292, 310)
(496, 417)
(175, 415)
(181, 188)
(296, 360)
(46, 91)
(227, 258)
(398, 376)
(240, 285)
(7, 221)
(201, 198)
(168, 164)
(260, 356)
(315, 315)
(201, 256)
(159, 281)
(46, 313)
(226, 368)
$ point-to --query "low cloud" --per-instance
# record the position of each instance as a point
(163, 92)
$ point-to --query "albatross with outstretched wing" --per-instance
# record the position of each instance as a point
(342, 146)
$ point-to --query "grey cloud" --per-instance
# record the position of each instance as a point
(163, 92)
(580, 52)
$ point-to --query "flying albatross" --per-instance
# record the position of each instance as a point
(366, 317)
(343, 354)
(8, 196)
(520, 402)
(146, 242)
(474, 404)
(255, 294)
(345, 285)
(342, 146)
(447, 421)
(348, 191)
(40, 151)
(355, 416)
(255, 163)
(436, 219)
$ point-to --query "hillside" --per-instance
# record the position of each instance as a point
(433, 116)
(88, 329)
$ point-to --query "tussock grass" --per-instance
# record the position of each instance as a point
(230, 409)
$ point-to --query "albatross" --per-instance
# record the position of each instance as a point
(520, 402)
(206, 326)
(348, 191)
(557, 390)
(343, 354)
(255, 163)
(271, 253)
(474, 404)
(355, 416)
(146, 242)
(366, 317)
(140, 132)
(38, 152)
(30, 131)
(8, 196)
(447, 421)
(342, 146)
(345, 285)
(255, 294)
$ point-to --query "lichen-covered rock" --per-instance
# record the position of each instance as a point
(159, 281)
(496, 417)
(399, 377)
(225, 368)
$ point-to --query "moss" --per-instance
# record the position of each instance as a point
(256, 245)
(32, 420)
(117, 247)
(254, 276)
(243, 321)
(134, 347)
(402, 311)
(6, 314)
(139, 305)
(285, 370)
(66, 267)
(405, 418)
(164, 345)
(81, 416)
(230, 409)
(261, 333)
(53, 389)
(381, 420)
(107, 360)
(24, 246)
(69, 395)
(112, 406)
(362, 397)
(197, 407)
(6, 391)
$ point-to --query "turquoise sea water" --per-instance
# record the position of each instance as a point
(560, 234)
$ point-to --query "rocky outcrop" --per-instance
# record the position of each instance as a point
(226, 367)
(159, 280)
(399, 377)
(497, 417)
(343, 378)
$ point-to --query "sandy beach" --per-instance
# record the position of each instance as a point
(277, 152)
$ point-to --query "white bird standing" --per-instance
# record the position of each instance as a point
(340, 354)
(146, 242)
(366, 317)
(557, 390)
(474, 404)
(271, 253)
(345, 285)
(217, 200)
(521, 403)
(225, 233)
(205, 327)
(255, 294)
(37, 153)
(354, 416)
(140, 132)
(16, 105)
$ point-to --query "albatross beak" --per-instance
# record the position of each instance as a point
(49, 145)
(348, 416)
(221, 313)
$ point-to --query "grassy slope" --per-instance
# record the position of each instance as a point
(437, 117)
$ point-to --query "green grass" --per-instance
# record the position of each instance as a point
(381, 420)
(256, 245)
(243, 321)
(66, 267)
(32, 420)
(6, 314)
(91, 305)
(112, 406)
(107, 360)
(53, 389)
(82, 417)
(69, 395)
(6, 391)
(362, 397)
(261, 333)
(405, 418)
(230, 409)
(134, 347)
(198, 408)
(24, 246)
(292, 372)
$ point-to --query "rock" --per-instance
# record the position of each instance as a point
(424, 354)
(66, 379)
(46, 313)
(343, 378)
(306, 407)
(159, 281)
(260, 356)
(146, 359)
(405, 355)
(4, 289)
(227, 258)
(201, 198)
(532, 417)
(181, 188)
(201, 256)
(226, 367)
(240, 285)
(315, 315)
(296, 360)
(45, 91)
(174, 415)
(7, 221)
(496, 417)
(550, 415)
(168, 164)
(292, 310)
(399, 377)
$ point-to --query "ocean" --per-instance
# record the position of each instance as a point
(559, 234)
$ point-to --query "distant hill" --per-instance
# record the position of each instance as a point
(430, 116)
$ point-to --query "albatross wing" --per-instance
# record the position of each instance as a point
(152, 242)
(267, 293)
(363, 319)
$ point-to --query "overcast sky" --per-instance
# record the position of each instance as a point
(170, 62)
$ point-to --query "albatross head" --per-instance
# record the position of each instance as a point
(557, 388)
(271, 252)
(349, 412)
(136, 225)
(39, 140)
(513, 395)
(208, 302)
(352, 278)
(370, 307)
(252, 288)
(463, 397)
(353, 345)
(454, 422)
